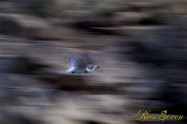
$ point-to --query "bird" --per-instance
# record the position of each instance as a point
(80, 63)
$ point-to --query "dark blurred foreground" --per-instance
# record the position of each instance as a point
(140, 46)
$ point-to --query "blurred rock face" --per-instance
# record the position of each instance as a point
(140, 46)
(69, 8)
(39, 7)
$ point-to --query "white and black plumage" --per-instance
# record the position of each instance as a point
(80, 63)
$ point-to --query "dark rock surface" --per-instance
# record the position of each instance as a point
(140, 47)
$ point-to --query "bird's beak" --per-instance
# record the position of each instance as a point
(98, 67)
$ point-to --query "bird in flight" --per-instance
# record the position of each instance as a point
(80, 63)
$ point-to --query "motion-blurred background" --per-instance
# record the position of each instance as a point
(139, 44)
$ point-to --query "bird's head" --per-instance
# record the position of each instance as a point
(92, 67)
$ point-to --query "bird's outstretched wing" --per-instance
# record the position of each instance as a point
(87, 57)
(79, 60)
